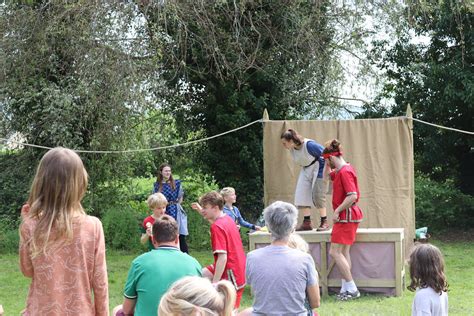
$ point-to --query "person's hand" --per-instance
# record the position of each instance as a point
(335, 217)
(149, 231)
(196, 206)
(25, 209)
(258, 227)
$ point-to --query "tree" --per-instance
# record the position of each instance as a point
(436, 80)
(231, 60)
(69, 80)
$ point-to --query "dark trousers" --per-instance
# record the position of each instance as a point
(183, 246)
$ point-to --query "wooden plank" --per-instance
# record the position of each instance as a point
(365, 283)
(398, 268)
(324, 270)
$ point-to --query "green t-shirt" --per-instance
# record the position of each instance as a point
(152, 273)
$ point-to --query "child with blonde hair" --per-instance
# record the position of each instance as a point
(198, 296)
(295, 241)
(157, 204)
(230, 198)
(61, 248)
(429, 281)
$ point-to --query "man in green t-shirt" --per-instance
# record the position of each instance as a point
(152, 273)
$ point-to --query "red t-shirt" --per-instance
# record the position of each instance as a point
(225, 238)
(344, 184)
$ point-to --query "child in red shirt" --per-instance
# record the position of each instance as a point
(157, 204)
(229, 256)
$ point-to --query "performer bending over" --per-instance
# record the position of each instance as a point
(310, 188)
(347, 215)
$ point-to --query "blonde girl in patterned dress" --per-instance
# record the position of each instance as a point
(62, 249)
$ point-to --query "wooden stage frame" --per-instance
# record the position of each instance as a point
(364, 235)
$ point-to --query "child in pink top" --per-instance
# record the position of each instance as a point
(61, 248)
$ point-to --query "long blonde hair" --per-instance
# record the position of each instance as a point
(55, 198)
(295, 241)
(190, 295)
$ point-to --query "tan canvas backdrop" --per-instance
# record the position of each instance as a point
(380, 150)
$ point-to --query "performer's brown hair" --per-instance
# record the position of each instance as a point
(332, 146)
(212, 198)
(291, 134)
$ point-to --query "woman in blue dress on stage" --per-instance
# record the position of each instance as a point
(173, 191)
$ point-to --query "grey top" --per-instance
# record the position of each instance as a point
(428, 302)
(279, 276)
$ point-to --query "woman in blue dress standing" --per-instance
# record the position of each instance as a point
(173, 191)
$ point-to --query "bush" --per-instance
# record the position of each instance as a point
(196, 184)
(441, 205)
(9, 236)
(121, 228)
(16, 174)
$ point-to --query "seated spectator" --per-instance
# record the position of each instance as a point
(281, 277)
(295, 241)
(429, 281)
(198, 296)
(152, 273)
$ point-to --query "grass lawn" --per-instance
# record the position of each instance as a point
(459, 258)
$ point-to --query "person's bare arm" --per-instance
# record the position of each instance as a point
(220, 266)
(313, 295)
(128, 306)
(348, 201)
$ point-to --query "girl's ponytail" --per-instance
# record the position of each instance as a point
(227, 290)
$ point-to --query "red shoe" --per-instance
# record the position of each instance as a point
(306, 225)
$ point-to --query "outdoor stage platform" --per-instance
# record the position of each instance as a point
(377, 259)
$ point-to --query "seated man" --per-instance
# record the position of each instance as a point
(281, 277)
(152, 273)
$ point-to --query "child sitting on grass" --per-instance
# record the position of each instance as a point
(157, 204)
(429, 281)
(230, 198)
(297, 242)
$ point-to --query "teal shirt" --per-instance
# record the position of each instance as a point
(152, 273)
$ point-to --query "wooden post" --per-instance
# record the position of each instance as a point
(265, 116)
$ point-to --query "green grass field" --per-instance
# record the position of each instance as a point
(459, 258)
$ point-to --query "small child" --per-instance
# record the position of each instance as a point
(229, 255)
(230, 198)
(157, 204)
(297, 242)
(197, 296)
(429, 281)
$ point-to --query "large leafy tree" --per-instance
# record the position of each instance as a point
(233, 59)
(435, 77)
(70, 80)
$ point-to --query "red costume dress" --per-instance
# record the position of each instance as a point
(225, 238)
(344, 184)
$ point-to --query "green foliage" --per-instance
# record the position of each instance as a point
(435, 77)
(16, 174)
(196, 184)
(9, 236)
(229, 63)
(121, 228)
(440, 206)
